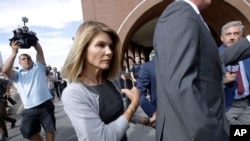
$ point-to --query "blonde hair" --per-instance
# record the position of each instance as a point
(76, 58)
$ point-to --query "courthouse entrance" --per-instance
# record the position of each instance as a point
(135, 20)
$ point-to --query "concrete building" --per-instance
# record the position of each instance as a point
(135, 20)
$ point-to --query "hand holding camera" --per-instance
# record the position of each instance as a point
(24, 37)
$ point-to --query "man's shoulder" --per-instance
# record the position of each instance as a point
(148, 64)
(247, 59)
(181, 6)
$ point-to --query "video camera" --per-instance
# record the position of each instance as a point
(24, 37)
(12, 102)
(47, 71)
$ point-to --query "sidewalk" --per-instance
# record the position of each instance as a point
(65, 131)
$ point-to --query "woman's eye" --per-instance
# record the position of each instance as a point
(101, 45)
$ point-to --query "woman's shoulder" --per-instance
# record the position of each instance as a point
(76, 93)
(73, 87)
(76, 89)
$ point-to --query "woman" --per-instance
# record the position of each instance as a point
(92, 101)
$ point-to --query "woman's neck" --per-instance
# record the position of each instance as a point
(90, 79)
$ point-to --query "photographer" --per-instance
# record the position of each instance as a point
(50, 80)
(33, 89)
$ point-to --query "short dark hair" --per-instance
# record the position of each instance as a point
(24, 54)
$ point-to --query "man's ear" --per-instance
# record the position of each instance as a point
(221, 38)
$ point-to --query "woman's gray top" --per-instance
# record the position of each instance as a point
(82, 106)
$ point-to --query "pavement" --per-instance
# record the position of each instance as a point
(65, 131)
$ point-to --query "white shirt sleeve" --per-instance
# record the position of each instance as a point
(248, 38)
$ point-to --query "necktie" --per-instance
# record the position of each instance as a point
(240, 87)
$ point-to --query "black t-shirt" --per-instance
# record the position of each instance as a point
(110, 102)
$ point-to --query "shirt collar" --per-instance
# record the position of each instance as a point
(191, 4)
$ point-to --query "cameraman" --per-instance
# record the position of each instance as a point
(33, 88)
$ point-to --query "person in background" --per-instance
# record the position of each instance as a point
(57, 77)
(135, 69)
(50, 81)
(92, 101)
(237, 77)
(34, 92)
(189, 75)
(63, 84)
(4, 94)
(142, 60)
(146, 83)
(49, 69)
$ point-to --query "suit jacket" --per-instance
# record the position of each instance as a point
(190, 95)
(231, 88)
(58, 75)
(147, 81)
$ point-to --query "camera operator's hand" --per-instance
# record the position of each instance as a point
(14, 45)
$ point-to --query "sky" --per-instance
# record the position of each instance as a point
(54, 22)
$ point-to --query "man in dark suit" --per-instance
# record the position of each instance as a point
(236, 92)
(146, 83)
(189, 74)
(135, 70)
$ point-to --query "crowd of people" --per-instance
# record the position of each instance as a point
(179, 89)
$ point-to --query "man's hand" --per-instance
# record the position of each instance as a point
(229, 77)
(152, 120)
(14, 47)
